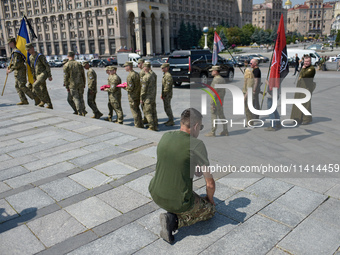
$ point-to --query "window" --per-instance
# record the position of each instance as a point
(54, 26)
(78, 5)
(52, 9)
(55, 36)
(47, 36)
(73, 35)
(63, 35)
(109, 2)
(111, 31)
(81, 34)
(88, 4)
(40, 37)
(80, 24)
(90, 22)
(90, 33)
(101, 32)
(100, 22)
(110, 21)
(36, 11)
(46, 27)
(78, 15)
(39, 28)
(36, 3)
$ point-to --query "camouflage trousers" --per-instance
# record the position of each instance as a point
(136, 113)
(78, 99)
(70, 102)
(202, 210)
(91, 101)
(116, 105)
(167, 107)
(150, 114)
(217, 113)
(20, 85)
(40, 89)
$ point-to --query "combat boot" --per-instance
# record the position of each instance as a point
(108, 118)
(98, 115)
(211, 134)
(49, 106)
(145, 121)
(169, 123)
(41, 104)
(152, 129)
(37, 100)
(169, 223)
(23, 102)
(224, 133)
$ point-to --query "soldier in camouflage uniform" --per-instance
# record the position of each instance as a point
(74, 80)
(217, 110)
(148, 97)
(114, 93)
(133, 88)
(92, 90)
(69, 97)
(41, 72)
(18, 66)
(167, 84)
(141, 75)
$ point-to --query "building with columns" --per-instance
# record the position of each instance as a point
(267, 15)
(311, 18)
(89, 26)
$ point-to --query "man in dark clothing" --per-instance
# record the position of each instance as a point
(180, 155)
(297, 62)
(254, 63)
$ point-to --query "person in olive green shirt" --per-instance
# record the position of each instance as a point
(41, 72)
(92, 90)
(180, 156)
(305, 81)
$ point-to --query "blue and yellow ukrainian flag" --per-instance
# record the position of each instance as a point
(22, 39)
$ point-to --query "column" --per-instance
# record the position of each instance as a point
(52, 37)
(158, 35)
(128, 30)
(68, 37)
(59, 37)
(148, 31)
(86, 35)
(95, 33)
(166, 31)
(106, 35)
(139, 37)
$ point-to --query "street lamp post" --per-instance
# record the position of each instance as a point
(205, 31)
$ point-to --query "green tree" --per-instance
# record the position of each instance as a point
(234, 35)
(337, 39)
(182, 36)
(224, 38)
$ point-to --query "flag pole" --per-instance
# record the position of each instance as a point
(234, 59)
(270, 65)
(3, 90)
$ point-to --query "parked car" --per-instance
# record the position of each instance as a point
(51, 63)
(2, 64)
(255, 56)
(100, 63)
(156, 63)
(242, 58)
(263, 58)
(189, 64)
(235, 63)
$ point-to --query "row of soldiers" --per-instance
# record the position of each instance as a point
(141, 88)
(40, 71)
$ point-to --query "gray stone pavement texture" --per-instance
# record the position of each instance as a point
(75, 185)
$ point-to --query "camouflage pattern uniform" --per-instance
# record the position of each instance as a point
(41, 72)
(133, 88)
(202, 210)
(217, 110)
(74, 80)
(154, 108)
(115, 96)
(305, 81)
(69, 97)
(148, 97)
(167, 84)
(18, 66)
(92, 92)
(141, 75)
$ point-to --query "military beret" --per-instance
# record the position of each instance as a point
(147, 64)
(215, 68)
(70, 54)
(11, 40)
(85, 63)
(165, 65)
(128, 63)
(29, 45)
(141, 60)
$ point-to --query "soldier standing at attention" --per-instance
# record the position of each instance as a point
(18, 66)
(148, 97)
(92, 90)
(114, 93)
(167, 84)
(109, 105)
(41, 72)
(141, 75)
(133, 88)
(74, 80)
(305, 81)
(217, 110)
(155, 93)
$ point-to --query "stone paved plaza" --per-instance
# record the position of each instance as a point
(76, 185)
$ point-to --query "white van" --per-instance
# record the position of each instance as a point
(124, 57)
(314, 55)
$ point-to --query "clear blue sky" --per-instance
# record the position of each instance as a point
(293, 1)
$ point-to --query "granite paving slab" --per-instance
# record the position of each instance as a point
(92, 212)
(55, 227)
(90, 178)
(141, 185)
(240, 181)
(137, 160)
(4, 187)
(113, 168)
(123, 199)
(12, 172)
(6, 211)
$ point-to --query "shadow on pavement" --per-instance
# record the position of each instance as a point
(320, 119)
(231, 216)
(12, 221)
(6, 105)
(302, 137)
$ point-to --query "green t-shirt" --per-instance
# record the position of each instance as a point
(178, 154)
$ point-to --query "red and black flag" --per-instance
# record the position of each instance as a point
(218, 46)
(279, 68)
